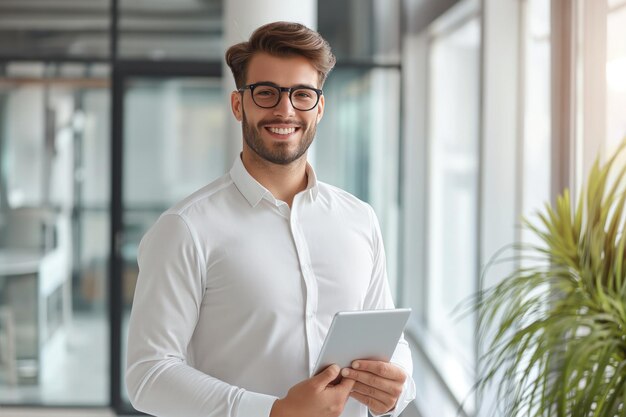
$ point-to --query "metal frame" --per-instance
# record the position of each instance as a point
(563, 63)
(121, 73)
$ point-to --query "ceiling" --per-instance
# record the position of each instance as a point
(55, 30)
(158, 29)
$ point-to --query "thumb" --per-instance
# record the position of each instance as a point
(327, 376)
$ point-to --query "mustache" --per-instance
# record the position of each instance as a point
(263, 123)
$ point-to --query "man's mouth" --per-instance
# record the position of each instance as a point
(282, 131)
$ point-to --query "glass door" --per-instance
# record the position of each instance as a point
(54, 225)
(172, 143)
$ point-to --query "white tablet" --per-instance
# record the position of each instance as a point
(368, 334)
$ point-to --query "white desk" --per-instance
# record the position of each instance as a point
(27, 279)
(19, 262)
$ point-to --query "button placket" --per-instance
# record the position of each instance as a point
(310, 308)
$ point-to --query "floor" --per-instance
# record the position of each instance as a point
(58, 412)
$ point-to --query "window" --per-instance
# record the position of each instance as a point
(480, 141)
(441, 180)
(616, 74)
(536, 140)
(453, 139)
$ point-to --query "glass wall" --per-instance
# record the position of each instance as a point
(56, 167)
(357, 144)
(173, 146)
(54, 224)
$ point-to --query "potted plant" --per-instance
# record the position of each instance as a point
(554, 330)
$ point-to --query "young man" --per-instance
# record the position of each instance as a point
(239, 282)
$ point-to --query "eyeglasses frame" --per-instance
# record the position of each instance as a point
(282, 90)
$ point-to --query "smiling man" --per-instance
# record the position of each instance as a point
(239, 282)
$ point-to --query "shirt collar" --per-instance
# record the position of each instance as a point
(312, 187)
(254, 192)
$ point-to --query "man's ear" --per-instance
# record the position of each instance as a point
(236, 105)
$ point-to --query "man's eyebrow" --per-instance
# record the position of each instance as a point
(293, 86)
(306, 85)
(266, 82)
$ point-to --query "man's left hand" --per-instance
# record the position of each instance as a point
(378, 384)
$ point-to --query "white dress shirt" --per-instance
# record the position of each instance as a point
(236, 292)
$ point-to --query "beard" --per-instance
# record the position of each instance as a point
(279, 152)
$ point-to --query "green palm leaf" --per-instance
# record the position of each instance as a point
(555, 331)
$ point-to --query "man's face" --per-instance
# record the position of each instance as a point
(282, 134)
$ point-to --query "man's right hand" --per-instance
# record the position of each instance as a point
(314, 397)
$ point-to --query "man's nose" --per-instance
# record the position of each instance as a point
(284, 106)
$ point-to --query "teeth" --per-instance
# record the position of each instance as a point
(282, 131)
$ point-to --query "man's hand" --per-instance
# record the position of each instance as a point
(378, 384)
(314, 397)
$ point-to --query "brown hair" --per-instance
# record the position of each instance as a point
(282, 39)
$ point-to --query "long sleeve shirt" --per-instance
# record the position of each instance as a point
(236, 292)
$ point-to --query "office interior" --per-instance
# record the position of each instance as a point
(452, 118)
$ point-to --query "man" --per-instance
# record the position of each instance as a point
(239, 282)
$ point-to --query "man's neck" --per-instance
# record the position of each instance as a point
(283, 181)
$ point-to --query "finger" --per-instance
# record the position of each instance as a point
(387, 385)
(346, 385)
(369, 391)
(383, 369)
(373, 404)
(327, 376)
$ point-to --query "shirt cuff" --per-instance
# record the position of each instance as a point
(253, 404)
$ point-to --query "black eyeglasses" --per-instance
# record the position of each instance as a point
(268, 95)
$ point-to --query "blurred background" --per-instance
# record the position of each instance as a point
(451, 118)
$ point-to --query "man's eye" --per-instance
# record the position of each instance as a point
(303, 94)
(265, 93)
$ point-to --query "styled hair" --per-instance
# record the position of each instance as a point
(281, 39)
